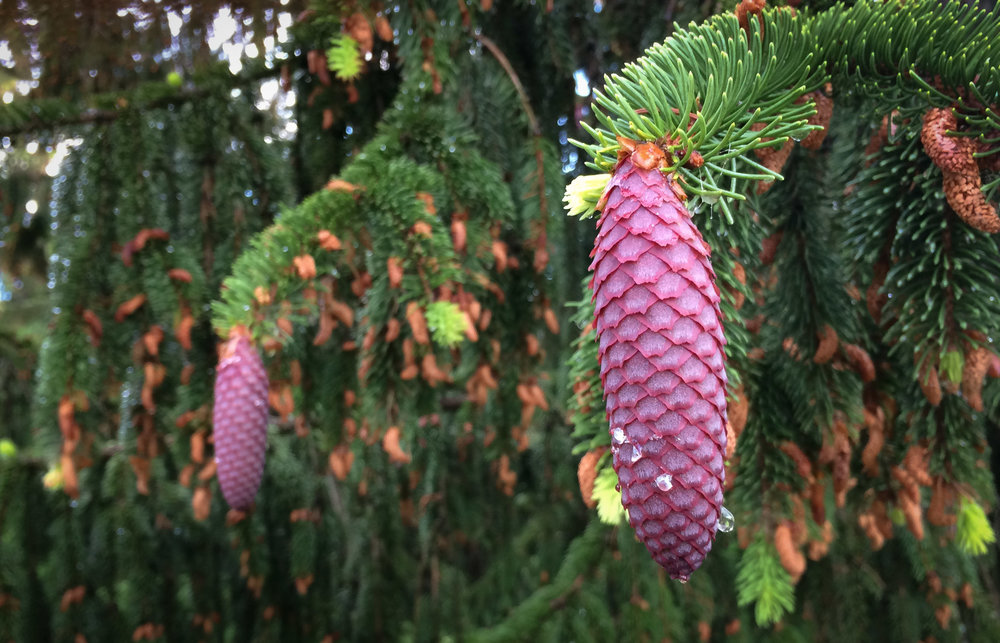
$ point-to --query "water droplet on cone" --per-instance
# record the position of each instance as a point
(665, 482)
(726, 521)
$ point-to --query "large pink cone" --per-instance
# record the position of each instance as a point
(662, 365)
(240, 422)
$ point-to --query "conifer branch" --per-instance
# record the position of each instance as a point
(30, 115)
(528, 616)
(705, 88)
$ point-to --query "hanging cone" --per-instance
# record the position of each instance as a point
(662, 362)
(239, 418)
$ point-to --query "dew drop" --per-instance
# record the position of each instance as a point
(618, 435)
(665, 482)
(636, 454)
(726, 521)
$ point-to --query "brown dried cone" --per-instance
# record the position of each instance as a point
(950, 153)
(977, 363)
(962, 181)
(965, 196)
(239, 420)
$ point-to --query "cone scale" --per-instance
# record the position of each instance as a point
(662, 362)
(239, 420)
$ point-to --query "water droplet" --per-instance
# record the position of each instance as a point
(618, 435)
(665, 482)
(726, 521)
(618, 487)
(636, 454)
(682, 580)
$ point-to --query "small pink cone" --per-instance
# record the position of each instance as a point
(239, 419)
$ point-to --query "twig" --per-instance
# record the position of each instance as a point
(536, 129)
(507, 67)
(334, 495)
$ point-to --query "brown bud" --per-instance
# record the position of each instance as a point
(977, 363)
(861, 361)
(418, 323)
(827, 346)
(394, 268)
(824, 112)
(586, 472)
(930, 385)
(383, 28)
(791, 558)
(129, 307)
(341, 459)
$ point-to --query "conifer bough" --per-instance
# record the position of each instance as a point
(662, 363)
(239, 420)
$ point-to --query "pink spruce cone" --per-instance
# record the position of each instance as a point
(662, 363)
(240, 421)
